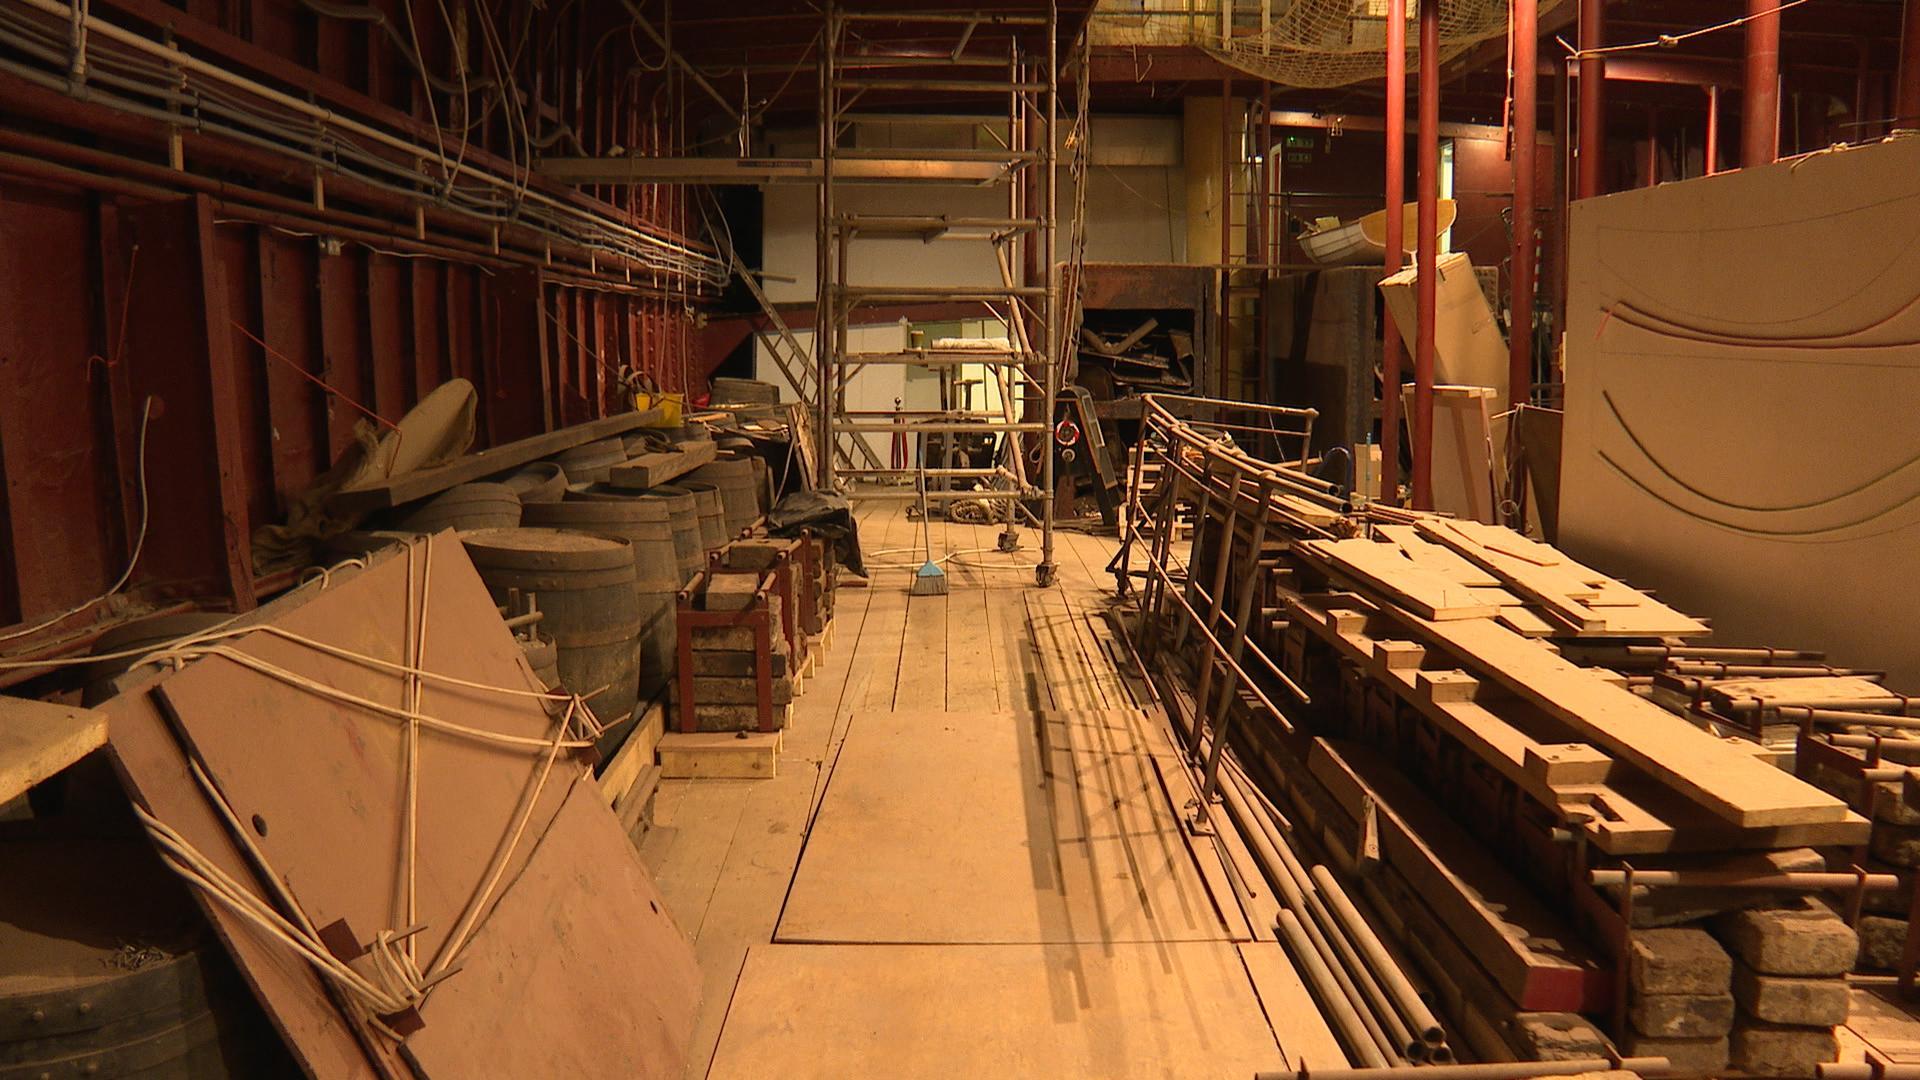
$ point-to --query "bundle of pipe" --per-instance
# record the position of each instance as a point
(1375, 1009)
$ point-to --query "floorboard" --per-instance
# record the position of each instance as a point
(1033, 669)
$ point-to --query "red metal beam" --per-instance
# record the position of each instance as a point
(1526, 117)
(1760, 103)
(1427, 285)
(1712, 148)
(1396, 178)
(1593, 101)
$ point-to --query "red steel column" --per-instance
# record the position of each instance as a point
(1760, 100)
(1428, 256)
(1526, 115)
(1396, 257)
(1593, 102)
(1711, 150)
(1906, 98)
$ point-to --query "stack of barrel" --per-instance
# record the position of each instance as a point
(601, 559)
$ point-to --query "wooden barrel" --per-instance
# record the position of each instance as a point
(734, 478)
(683, 513)
(646, 525)
(712, 510)
(463, 506)
(538, 481)
(585, 585)
(106, 677)
(591, 462)
(108, 970)
(478, 505)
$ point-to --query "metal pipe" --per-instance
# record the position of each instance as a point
(1760, 94)
(189, 64)
(1339, 1009)
(824, 239)
(1593, 100)
(1494, 1070)
(1428, 258)
(1379, 961)
(1732, 879)
(1526, 118)
(1849, 1070)
(1906, 94)
(1374, 1008)
(1396, 257)
(1711, 150)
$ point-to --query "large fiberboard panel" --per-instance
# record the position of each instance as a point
(958, 827)
(1743, 359)
(914, 1011)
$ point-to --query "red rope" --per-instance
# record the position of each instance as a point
(315, 379)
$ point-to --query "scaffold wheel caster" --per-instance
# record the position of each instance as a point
(1043, 574)
(1009, 540)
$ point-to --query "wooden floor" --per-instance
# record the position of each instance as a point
(1163, 976)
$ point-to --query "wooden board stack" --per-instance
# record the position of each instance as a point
(1460, 746)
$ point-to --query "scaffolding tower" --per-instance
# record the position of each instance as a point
(992, 58)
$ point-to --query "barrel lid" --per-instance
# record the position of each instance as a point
(594, 506)
(534, 474)
(584, 551)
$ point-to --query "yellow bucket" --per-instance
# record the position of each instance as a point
(671, 407)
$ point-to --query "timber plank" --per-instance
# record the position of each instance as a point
(1385, 567)
(1723, 778)
(1531, 953)
(424, 482)
(652, 470)
(38, 739)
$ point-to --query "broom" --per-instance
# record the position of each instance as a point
(929, 580)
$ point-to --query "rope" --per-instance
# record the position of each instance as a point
(394, 981)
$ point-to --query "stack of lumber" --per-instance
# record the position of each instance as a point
(1454, 631)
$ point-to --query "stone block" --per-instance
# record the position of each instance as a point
(1682, 1016)
(1679, 906)
(1882, 940)
(1690, 1057)
(1789, 999)
(738, 664)
(1779, 1050)
(1557, 1036)
(734, 691)
(1805, 940)
(731, 592)
(1678, 960)
(1897, 844)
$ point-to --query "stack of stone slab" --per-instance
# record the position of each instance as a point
(1789, 980)
(1895, 848)
(726, 691)
(1680, 999)
(1759, 990)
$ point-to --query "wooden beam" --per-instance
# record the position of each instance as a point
(1722, 777)
(422, 483)
(38, 739)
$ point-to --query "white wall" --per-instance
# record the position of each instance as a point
(1135, 198)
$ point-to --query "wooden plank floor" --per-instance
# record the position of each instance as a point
(725, 851)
